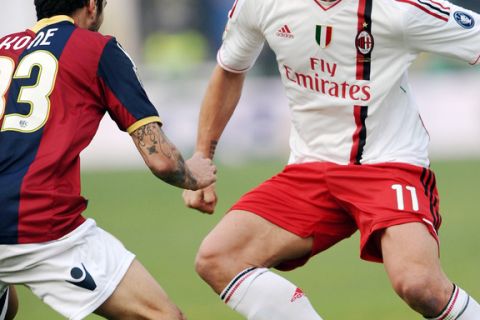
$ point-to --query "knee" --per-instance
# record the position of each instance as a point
(411, 288)
(423, 292)
(208, 262)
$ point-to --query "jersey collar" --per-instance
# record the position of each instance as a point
(48, 21)
(331, 5)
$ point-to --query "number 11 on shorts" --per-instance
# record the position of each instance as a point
(400, 200)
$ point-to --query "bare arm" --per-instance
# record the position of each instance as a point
(166, 162)
(221, 98)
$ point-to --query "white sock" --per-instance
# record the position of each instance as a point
(460, 307)
(259, 294)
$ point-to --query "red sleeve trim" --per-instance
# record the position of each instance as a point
(227, 68)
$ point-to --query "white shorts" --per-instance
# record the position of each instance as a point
(74, 274)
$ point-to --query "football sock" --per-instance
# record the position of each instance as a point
(259, 294)
(460, 307)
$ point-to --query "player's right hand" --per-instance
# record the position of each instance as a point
(202, 170)
(203, 200)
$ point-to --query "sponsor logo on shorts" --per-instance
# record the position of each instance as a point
(465, 20)
(82, 278)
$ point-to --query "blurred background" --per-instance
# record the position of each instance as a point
(174, 43)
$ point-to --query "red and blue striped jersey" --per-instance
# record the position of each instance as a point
(56, 83)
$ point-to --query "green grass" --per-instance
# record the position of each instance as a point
(149, 218)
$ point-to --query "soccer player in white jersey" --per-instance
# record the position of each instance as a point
(57, 81)
(358, 157)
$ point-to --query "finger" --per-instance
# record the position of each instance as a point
(207, 208)
(192, 199)
(210, 196)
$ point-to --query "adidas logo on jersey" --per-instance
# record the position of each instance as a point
(284, 32)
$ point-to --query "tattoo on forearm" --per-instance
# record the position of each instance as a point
(213, 147)
(181, 177)
(151, 140)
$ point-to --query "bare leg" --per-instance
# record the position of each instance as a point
(139, 296)
(411, 260)
(242, 240)
(233, 259)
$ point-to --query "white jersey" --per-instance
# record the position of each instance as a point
(344, 68)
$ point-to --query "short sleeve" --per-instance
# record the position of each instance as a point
(441, 27)
(126, 100)
(243, 40)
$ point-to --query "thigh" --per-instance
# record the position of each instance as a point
(243, 239)
(138, 296)
(295, 206)
(411, 252)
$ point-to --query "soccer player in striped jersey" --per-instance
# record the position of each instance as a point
(57, 80)
(358, 158)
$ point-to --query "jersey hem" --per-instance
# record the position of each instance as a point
(377, 164)
(44, 237)
(142, 122)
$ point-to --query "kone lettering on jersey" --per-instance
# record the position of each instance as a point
(18, 42)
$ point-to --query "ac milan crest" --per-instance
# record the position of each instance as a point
(364, 42)
(323, 35)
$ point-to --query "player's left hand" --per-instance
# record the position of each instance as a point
(203, 200)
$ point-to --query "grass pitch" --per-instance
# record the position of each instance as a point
(150, 219)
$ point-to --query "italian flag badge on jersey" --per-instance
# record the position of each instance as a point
(323, 35)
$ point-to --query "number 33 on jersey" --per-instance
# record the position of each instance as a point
(42, 67)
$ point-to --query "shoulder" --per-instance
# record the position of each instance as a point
(435, 9)
(249, 7)
(94, 40)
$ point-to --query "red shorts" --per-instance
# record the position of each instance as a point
(329, 202)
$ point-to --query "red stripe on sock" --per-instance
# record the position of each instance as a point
(239, 282)
(454, 300)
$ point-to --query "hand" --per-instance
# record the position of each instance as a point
(203, 200)
(202, 170)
